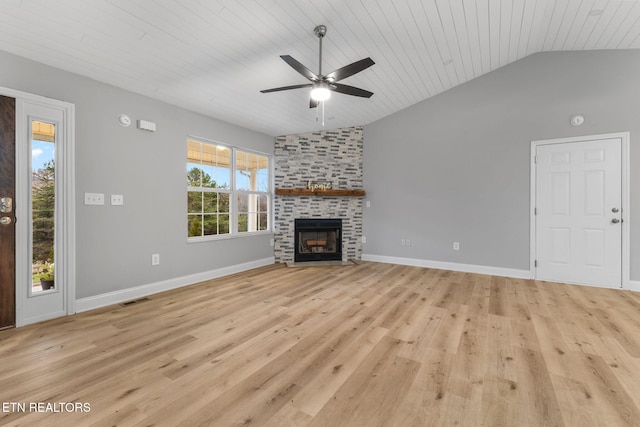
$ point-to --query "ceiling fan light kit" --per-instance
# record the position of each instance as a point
(320, 93)
(322, 85)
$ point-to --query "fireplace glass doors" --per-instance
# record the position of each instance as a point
(318, 239)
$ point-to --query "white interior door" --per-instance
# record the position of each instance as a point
(578, 212)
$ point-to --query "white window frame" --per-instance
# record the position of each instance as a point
(233, 195)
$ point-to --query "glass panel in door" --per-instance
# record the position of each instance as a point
(43, 136)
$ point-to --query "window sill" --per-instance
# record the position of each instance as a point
(218, 237)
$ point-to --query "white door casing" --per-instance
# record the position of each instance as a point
(34, 308)
(578, 208)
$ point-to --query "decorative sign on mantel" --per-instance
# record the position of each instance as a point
(313, 187)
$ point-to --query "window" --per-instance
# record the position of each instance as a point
(228, 190)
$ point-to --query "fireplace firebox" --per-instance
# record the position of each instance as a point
(318, 239)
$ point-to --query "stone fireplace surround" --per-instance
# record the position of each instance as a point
(326, 157)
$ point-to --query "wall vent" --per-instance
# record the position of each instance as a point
(135, 301)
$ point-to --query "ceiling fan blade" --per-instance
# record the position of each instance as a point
(278, 89)
(300, 68)
(350, 90)
(349, 70)
(313, 103)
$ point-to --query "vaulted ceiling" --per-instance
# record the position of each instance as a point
(214, 56)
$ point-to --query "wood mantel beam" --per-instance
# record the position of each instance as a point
(308, 192)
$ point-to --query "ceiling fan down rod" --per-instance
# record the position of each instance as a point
(320, 31)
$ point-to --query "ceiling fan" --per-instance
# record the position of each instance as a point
(323, 85)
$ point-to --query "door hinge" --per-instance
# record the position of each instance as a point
(535, 263)
(535, 211)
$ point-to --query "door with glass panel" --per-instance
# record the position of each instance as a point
(43, 292)
(37, 208)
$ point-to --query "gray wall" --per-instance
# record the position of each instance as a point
(114, 244)
(456, 167)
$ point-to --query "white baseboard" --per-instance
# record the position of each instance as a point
(454, 266)
(109, 298)
(634, 285)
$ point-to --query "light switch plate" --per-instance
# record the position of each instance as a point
(93, 199)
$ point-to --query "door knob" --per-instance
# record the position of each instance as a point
(615, 210)
(6, 204)
(615, 220)
(5, 220)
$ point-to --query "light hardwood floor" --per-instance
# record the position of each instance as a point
(364, 345)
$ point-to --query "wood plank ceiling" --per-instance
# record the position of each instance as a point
(214, 56)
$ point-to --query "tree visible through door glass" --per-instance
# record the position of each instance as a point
(43, 179)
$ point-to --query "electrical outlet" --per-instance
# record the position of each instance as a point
(155, 259)
(117, 200)
(456, 246)
(364, 239)
(408, 242)
(403, 242)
